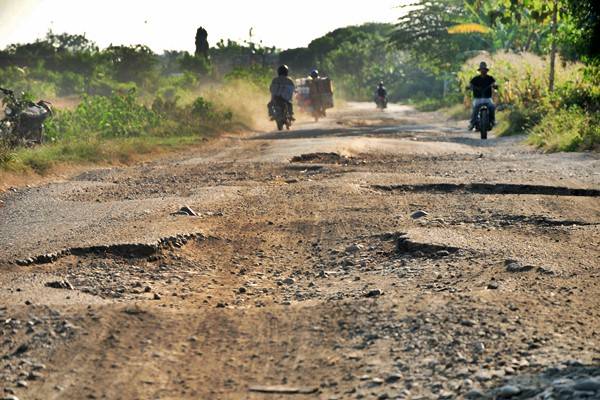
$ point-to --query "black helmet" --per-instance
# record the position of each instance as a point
(314, 73)
(283, 70)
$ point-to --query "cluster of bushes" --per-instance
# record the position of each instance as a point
(562, 120)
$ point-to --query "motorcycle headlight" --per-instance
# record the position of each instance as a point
(8, 111)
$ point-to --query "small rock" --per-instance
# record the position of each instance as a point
(467, 322)
(419, 214)
(22, 384)
(545, 271)
(508, 391)
(588, 385)
(483, 376)
(393, 378)
(515, 266)
(242, 290)
(34, 376)
(376, 381)
(10, 397)
(64, 284)
(374, 293)
(354, 248)
(156, 296)
(185, 210)
(474, 394)
(478, 347)
(289, 281)
(493, 285)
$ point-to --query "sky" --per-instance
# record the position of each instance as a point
(171, 25)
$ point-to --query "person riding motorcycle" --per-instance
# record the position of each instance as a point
(381, 91)
(315, 97)
(282, 89)
(482, 86)
(381, 96)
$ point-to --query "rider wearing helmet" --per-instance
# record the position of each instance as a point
(314, 74)
(282, 88)
(381, 91)
(482, 86)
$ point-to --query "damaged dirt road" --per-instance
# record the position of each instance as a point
(373, 255)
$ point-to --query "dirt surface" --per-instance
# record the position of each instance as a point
(372, 255)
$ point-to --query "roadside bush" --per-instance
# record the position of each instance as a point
(108, 117)
(568, 129)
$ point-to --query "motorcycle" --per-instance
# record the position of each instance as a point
(318, 111)
(381, 102)
(482, 122)
(23, 122)
(279, 111)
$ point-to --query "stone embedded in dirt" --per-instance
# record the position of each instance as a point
(354, 248)
(508, 391)
(242, 290)
(374, 293)
(515, 266)
(64, 284)
(156, 296)
(392, 378)
(474, 394)
(34, 376)
(419, 214)
(9, 397)
(467, 322)
(588, 385)
(493, 285)
(289, 281)
(22, 384)
(38, 366)
(545, 271)
(185, 210)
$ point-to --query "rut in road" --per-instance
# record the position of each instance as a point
(490, 188)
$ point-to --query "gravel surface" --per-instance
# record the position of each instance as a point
(368, 256)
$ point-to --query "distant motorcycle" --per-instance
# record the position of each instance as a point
(23, 122)
(318, 111)
(280, 112)
(482, 122)
(381, 102)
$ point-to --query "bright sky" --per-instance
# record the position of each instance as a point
(172, 24)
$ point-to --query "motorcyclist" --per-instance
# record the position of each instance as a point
(315, 95)
(282, 89)
(482, 86)
(381, 91)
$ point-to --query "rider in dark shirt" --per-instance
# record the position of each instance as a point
(381, 91)
(482, 86)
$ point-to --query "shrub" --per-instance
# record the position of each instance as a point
(568, 129)
(114, 116)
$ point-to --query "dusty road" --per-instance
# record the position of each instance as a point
(309, 271)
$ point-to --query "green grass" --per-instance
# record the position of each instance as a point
(571, 129)
(121, 150)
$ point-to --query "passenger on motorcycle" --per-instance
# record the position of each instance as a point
(482, 86)
(282, 89)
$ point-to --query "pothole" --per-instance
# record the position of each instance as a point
(127, 250)
(489, 188)
(324, 158)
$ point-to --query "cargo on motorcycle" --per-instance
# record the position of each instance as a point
(315, 94)
(23, 122)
